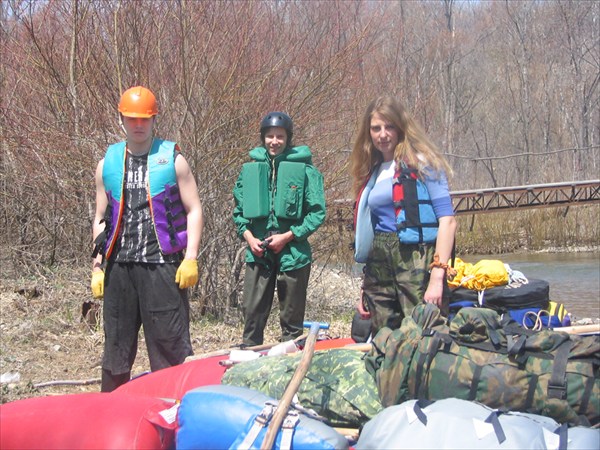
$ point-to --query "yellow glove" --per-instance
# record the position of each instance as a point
(187, 274)
(98, 284)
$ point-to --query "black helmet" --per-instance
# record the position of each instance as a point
(277, 119)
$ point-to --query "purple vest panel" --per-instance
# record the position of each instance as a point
(170, 220)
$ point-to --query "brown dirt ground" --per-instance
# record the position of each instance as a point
(44, 338)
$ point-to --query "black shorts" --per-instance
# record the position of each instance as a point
(137, 294)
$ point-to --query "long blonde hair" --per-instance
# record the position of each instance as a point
(415, 148)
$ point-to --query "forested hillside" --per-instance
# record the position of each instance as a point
(507, 89)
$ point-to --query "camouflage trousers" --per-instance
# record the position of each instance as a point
(395, 279)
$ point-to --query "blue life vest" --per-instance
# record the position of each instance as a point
(415, 218)
(168, 213)
(416, 221)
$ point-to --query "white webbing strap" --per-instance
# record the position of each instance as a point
(287, 429)
(260, 422)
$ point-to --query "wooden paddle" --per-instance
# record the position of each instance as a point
(292, 388)
(580, 329)
(359, 347)
(226, 351)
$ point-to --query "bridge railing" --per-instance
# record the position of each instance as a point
(480, 201)
(526, 197)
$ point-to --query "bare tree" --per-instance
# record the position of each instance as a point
(509, 91)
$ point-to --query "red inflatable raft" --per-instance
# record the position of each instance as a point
(137, 415)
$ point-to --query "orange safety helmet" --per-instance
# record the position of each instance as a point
(138, 102)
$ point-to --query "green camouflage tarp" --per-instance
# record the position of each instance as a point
(337, 385)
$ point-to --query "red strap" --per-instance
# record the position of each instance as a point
(397, 192)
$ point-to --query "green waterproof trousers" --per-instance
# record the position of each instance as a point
(259, 289)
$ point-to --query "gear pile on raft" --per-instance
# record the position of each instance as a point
(480, 379)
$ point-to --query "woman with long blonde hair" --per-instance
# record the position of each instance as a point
(404, 219)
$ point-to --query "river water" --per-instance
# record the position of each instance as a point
(574, 277)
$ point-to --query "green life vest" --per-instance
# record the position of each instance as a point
(288, 196)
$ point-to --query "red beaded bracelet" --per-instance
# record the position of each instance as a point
(450, 271)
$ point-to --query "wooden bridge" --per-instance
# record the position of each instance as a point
(479, 201)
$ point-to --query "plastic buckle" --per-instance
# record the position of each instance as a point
(265, 415)
(557, 391)
(291, 420)
(287, 429)
(427, 332)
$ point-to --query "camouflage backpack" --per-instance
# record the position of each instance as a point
(478, 358)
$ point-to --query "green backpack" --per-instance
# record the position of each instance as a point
(478, 358)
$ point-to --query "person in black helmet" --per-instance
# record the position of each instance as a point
(279, 203)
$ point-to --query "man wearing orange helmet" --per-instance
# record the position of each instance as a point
(146, 231)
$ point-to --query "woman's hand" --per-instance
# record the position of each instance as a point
(364, 314)
(435, 288)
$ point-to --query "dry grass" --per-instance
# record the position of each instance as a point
(495, 233)
(44, 338)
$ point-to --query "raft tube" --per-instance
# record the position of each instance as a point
(86, 421)
(455, 423)
(174, 382)
(220, 417)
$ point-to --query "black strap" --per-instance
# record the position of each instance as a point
(419, 374)
(410, 202)
(533, 382)
(493, 419)
(515, 346)
(173, 217)
(431, 352)
(562, 432)
(475, 382)
(100, 241)
(557, 386)
(418, 409)
(586, 395)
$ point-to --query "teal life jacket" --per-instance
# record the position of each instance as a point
(416, 222)
(288, 197)
(168, 213)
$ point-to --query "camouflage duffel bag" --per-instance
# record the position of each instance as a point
(476, 358)
(337, 385)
